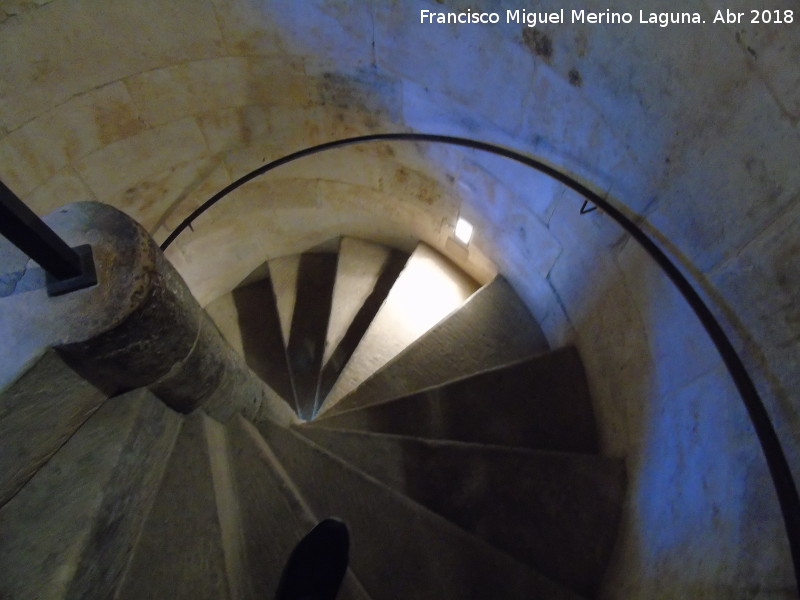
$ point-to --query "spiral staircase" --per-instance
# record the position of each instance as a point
(432, 417)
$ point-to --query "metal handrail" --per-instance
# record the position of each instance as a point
(782, 478)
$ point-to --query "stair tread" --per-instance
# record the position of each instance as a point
(182, 529)
(69, 530)
(360, 309)
(40, 410)
(272, 509)
(399, 548)
(427, 290)
(316, 275)
(310, 429)
(271, 523)
(248, 319)
(283, 273)
(491, 329)
(551, 386)
(555, 511)
(360, 265)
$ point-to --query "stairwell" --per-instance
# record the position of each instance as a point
(432, 417)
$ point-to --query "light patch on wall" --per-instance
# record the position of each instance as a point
(463, 230)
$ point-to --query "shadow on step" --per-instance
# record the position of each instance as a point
(541, 402)
(261, 336)
(557, 512)
(399, 548)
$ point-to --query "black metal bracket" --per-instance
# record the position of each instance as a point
(87, 277)
(68, 269)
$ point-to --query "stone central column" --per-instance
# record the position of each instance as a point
(139, 327)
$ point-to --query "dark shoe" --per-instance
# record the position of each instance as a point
(317, 565)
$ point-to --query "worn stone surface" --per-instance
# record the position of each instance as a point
(358, 269)
(541, 402)
(225, 314)
(232, 540)
(197, 376)
(271, 523)
(38, 413)
(181, 530)
(140, 326)
(280, 485)
(248, 320)
(594, 308)
(130, 328)
(699, 519)
(366, 313)
(159, 333)
(70, 531)
(41, 148)
(108, 170)
(316, 276)
(772, 314)
(151, 330)
(241, 391)
(65, 187)
(125, 266)
(215, 376)
(556, 512)
(491, 329)
(427, 290)
(44, 80)
(431, 559)
(169, 93)
(283, 272)
(13, 262)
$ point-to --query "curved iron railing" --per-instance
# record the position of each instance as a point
(776, 459)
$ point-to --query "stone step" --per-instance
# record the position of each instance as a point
(493, 328)
(365, 276)
(541, 403)
(428, 289)
(556, 512)
(273, 515)
(400, 549)
(270, 524)
(69, 532)
(283, 273)
(360, 265)
(39, 411)
(182, 530)
(248, 319)
(316, 275)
